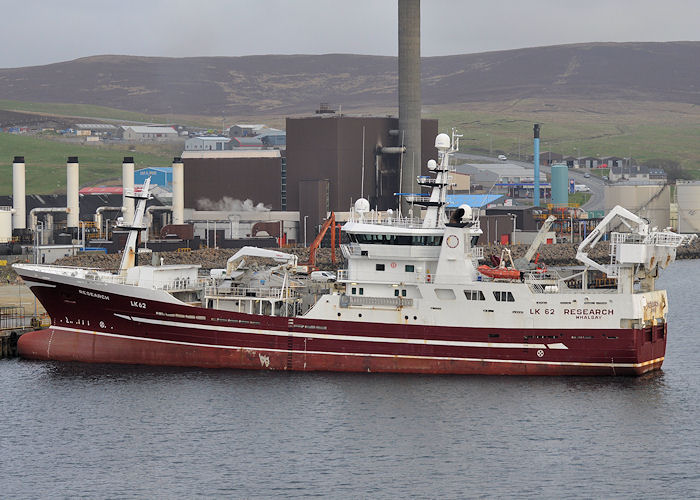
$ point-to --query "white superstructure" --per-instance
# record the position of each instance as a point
(426, 272)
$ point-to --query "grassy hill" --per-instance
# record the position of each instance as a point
(623, 99)
(284, 84)
(46, 161)
(642, 130)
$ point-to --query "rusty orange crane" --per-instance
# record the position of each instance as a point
(329, 223)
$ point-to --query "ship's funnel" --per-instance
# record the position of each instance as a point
(19, 199)
(128, 186)
(536, 160)
(72, 189)
(178, 191)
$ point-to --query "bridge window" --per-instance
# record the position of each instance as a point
(394, 239)
(380, 267)
(410, 268)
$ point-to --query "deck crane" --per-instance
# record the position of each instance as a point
(524, 262)
(329, 223)
(634, 255)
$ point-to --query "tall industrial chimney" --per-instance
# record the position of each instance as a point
(409, 92)
(72, 188)
(178, 191)
(536, 160)
(19, 217)
(128, 185)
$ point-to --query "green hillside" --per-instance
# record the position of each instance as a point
(77, 110)
(645, 131)
(46, 161)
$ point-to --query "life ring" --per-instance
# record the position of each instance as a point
(393, 265)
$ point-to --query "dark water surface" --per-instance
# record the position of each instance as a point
(74, 430)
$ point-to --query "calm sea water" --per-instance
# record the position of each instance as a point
(73, 430)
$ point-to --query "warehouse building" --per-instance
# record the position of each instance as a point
(149, 134)
(207, 143)
(213, 179)
(246, 130)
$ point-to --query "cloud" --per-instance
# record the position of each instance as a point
(59, 31)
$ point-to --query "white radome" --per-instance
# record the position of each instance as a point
(362, 206)
(442, 142)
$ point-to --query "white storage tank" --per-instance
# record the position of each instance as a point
(688, 195)
(5, 224)
(651, 201)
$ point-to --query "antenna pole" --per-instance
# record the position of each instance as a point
(403, 133)
(362, 187)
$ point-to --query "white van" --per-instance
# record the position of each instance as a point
(322, 276)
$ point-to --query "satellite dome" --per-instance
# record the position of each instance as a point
(362, 206)
(432, 165)
(467, 212)
(442, 142)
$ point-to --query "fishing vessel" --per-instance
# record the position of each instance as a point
(413, 299)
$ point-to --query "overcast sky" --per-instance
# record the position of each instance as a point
(37, 32)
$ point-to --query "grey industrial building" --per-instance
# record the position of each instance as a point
(325, 157)
(235, 175)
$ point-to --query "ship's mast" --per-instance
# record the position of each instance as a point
(435, 213)
(129, 254)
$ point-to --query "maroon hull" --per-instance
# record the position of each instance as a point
(60, 345)
(121, 330)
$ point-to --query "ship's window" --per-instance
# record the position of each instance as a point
(362, 291)
(396, 293)
(403, 294)
(474, 295)
(354, 290)
(445, 293)
(410, 268)
(380, 267)
(504, 296)
(393, 239)
(363, 253)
